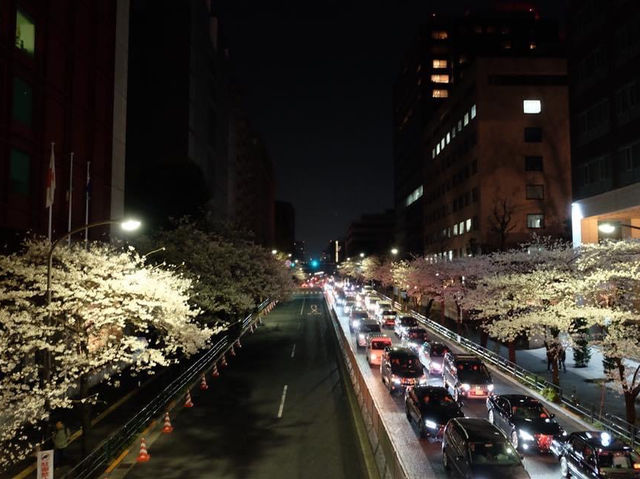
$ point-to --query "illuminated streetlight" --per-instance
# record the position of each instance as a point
(130, 225)
(274, 251)
(394, 251)
(362, 255)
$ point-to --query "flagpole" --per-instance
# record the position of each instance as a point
(86, 205)
(70, 196)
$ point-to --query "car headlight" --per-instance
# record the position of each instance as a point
(430, 424)
(361, 335)
(355, 323)
(395, 379)
(490, 387)
(524, 435)
(465, 386)
(565, 433)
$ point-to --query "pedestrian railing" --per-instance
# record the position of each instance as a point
(97, 461)
(587, 411)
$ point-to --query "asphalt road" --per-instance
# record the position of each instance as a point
(246, 426)
(538, 466)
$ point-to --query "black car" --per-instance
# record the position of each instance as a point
(415, 337)
(596, 454)
(366, 326)
(355, 318)
(430, 407)
(466, 376)
(525, 420)
(400, 367)
(404, 323)
(474, 448)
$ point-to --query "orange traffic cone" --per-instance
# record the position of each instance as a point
(233, 351)
(239, 345)
(167, 428)
(143, 455)
(203, 384)
(188, 402)
(223, 361)
(215, 372)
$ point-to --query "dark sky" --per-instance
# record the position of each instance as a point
(317, 82)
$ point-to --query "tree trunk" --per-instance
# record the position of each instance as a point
(428, 307)
(512, 351)
(555, 371)
(443, 317)
(484, 338)
(630, 406)
(85, 414)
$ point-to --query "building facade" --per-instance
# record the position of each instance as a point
(604, 53)
(63, 80)
(178, 156)
(370, 235)
(443, 50)
(498, 161)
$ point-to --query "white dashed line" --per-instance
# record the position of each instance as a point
(284, 396)
(293, 351)
(302, 307)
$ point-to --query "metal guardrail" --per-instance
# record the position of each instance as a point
(586, 411)
(98, 459)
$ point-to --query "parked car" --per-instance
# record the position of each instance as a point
(400, 367)
(414, 337)
(376, 344)
(431, 408)
(431, 356)
(525, 420)
(367, 326)
(388, 318)
(403, 323)
(595, 454)
(355, 318)
(475, 448)
(466, 376)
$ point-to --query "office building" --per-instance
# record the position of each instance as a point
(372, 234)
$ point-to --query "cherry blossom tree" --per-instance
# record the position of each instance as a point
(110, 311)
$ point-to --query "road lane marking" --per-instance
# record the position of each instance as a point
(293, 351)
(284, 396)
(302, 307)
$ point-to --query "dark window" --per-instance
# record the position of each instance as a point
(22, 101)
(475, 224)
(474, 167)
(535, 192)
(533, 163)
(20, 165)
(475, 195)
(533, 135)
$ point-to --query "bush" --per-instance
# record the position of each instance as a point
(550, 394)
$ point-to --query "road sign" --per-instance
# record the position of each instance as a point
(45, 464)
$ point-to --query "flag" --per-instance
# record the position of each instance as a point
(51, 180)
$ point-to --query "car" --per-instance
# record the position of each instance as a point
(525, 420)
(383, 306)
(431, 356)
(414, 337)
(595, 454)
(340, 297)
(466, 376)
(355, 318)
(388, 318)
(376, 344)
(431, 408)
(400, 367)
(367, 326)
(475, 448)
(403, 323)
(371, 303)
(349, 304)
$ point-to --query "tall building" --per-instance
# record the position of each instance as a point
(371, 234)
(178, 157)
(63, 80)
(285, 227)
(604, 53)
(298, 250)
(443, 50)
(498, 165)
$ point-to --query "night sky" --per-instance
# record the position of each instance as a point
(317, 83)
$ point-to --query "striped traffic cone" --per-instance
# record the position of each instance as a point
(188, 402)
(223, 361)
(232, 351)
(167, 428)
(203, 384)
(143, 455)
(238, 341)
(215, 372)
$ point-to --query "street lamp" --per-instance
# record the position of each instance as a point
(362, 255)
(274, 251)
(394, 251)
(608, 228)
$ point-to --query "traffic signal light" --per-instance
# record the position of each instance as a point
(314, 263)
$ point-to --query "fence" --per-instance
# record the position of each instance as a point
(386, 456)
(99, 458)
(586, 411)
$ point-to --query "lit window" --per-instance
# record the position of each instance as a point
(448, 138)
(473, 111)
(440, 78)
(442, 144)
(466, 119)
(20, 164)
(453, 132)
(535, 221)
(25, 33)
(22, 107)
(450, 255)
(532, 45)
(459, 125)
(439, 64)
(438, 93)
(531, 106)
(433, 153)
(468, 224)
(438, 149)
(415, 195)
(455, 230)
(439, 35)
